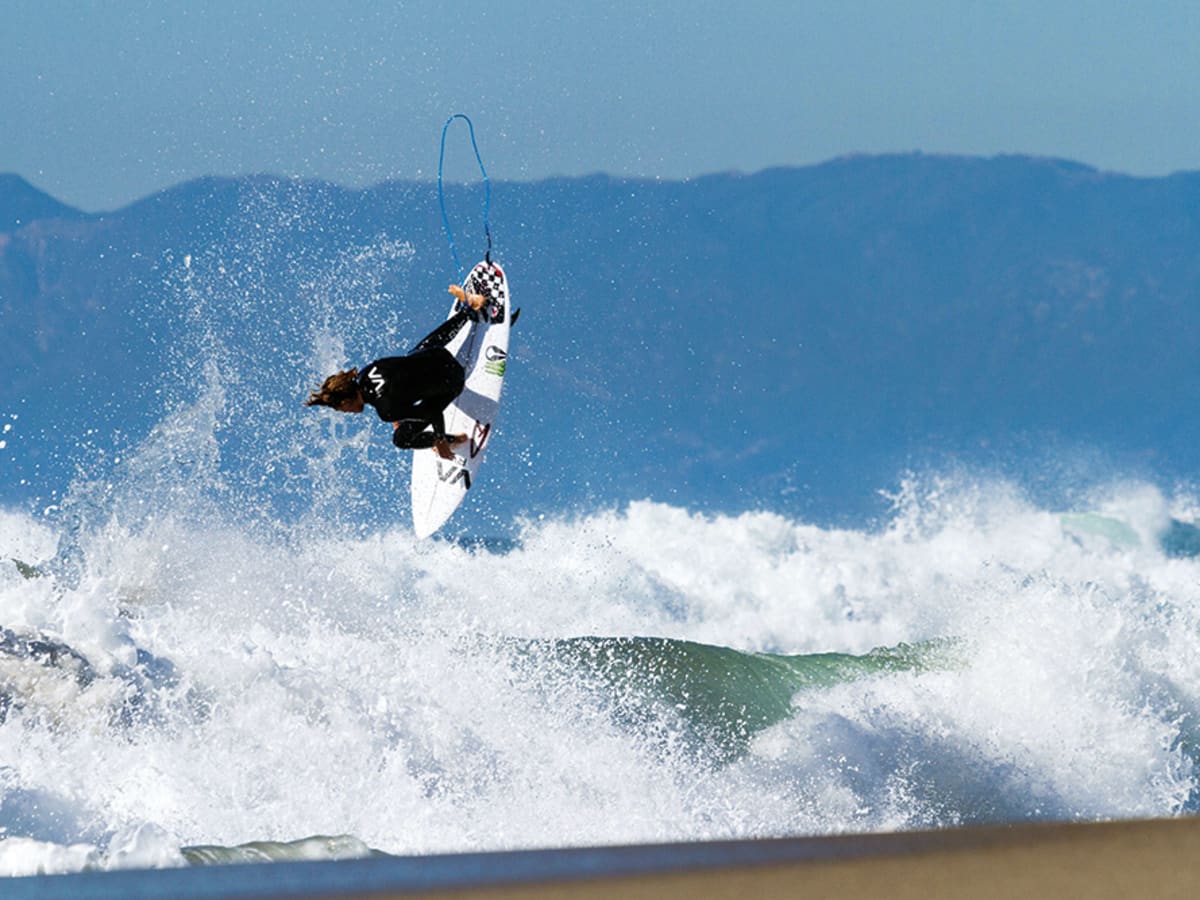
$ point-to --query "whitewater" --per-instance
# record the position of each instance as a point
(215, 646)
(202, 683)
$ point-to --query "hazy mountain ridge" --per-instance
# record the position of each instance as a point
(798, 329)
(21, 204)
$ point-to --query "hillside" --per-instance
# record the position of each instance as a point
(790, 339)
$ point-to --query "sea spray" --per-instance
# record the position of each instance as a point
(272, 656)
(252, 683)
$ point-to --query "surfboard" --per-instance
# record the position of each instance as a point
(440, 485)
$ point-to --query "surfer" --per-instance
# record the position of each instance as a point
(413, 391)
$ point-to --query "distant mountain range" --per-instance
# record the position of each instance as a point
(791, 339)
(21, 204)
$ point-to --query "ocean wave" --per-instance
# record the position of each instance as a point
(638, 674)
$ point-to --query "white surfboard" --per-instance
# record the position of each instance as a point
(439, 485)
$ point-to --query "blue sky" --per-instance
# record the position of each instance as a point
(105, 102)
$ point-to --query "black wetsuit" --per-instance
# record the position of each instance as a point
(414, 390)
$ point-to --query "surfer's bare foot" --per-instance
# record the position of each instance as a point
(442, 445)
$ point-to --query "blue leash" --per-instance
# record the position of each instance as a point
(487, 196)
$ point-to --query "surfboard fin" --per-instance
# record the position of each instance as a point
(516, 315)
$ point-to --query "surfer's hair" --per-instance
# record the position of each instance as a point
(335, 390)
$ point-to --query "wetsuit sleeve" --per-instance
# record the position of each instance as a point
(444, 333)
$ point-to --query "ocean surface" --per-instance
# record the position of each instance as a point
(219, 639)
(184, 683)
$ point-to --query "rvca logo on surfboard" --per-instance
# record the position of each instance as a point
(452, 474)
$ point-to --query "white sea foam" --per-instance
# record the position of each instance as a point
(251, 688)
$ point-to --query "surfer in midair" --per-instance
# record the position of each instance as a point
(413, 391)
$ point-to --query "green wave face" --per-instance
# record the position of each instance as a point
(721, 697)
